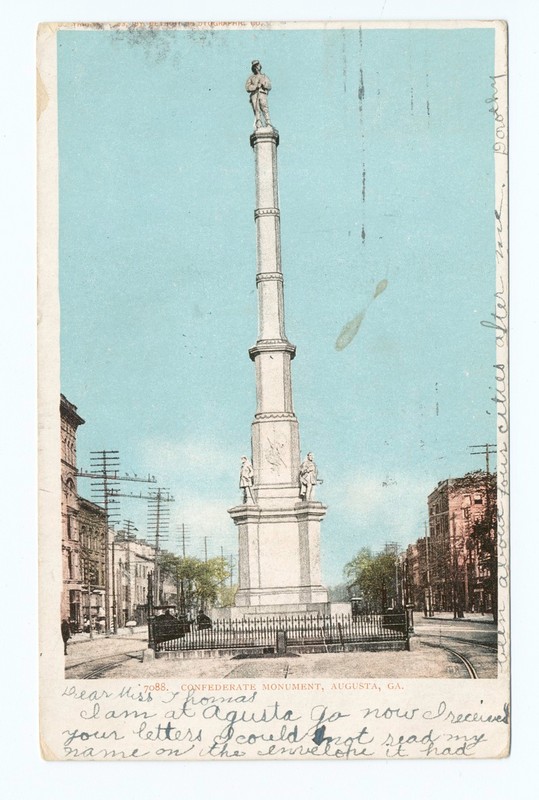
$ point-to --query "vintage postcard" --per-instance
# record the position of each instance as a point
(273, 382)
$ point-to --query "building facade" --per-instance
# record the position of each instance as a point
(105, 573)
(92, 525)
(71, 600)
(134, 559)
(453, 568)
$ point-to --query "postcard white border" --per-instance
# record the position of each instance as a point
(18, 405)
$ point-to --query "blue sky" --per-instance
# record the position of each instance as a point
(385, 174)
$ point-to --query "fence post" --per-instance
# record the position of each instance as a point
(280, 642)
(409, 618)
(339, 627)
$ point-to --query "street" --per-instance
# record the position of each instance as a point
(92, 658)
(447, 649)
(474, 638)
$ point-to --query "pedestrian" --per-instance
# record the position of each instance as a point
(66, 634)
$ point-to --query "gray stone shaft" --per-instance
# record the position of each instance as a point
(275, 432)
(278, 534)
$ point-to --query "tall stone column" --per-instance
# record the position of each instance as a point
(275, 434)
(278, 533)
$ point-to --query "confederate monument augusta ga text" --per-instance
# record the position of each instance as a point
(279, 519)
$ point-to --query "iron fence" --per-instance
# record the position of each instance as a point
(299, 630)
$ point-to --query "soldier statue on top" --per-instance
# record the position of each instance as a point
(258, 85)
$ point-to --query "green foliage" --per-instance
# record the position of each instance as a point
(339, 593)
(374, 575)
(204, 582)
(473, 482)
(228, 595)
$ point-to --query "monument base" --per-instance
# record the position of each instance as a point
(243, 612)
(279, 557)
(239, 612)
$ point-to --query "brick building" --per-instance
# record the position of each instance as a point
(92, 524)
(454, 567)
(103, 571)
(71, 600)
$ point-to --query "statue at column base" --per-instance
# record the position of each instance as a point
(308, 479)
(246, 481)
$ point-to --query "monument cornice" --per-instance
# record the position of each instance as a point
(249, 513)
(264, 135)
(245, 513)
(275, 415)
(272, 346)
(310, 510)
(269, 276)
(266, 212)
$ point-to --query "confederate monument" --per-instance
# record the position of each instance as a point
(279, 519)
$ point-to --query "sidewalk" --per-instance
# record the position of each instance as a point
(447, 616)
(81, 650)
(140, 633)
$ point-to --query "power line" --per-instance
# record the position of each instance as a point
(158, 526)
(183, 537)
(105, 476)
(485, 450)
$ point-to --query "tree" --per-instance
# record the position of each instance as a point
(374, 575)
(339, 593)
(484, 538)
(210, 579)
(203, 582)
(479, 541)
(227, 595)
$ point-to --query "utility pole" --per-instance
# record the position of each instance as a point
(454, 565)
(183, 538)
(205, 548)
(104, 466)
(105, 477)
(392, 548)
(485, 450)
(180, 589)
(129, 536)
(158, 522)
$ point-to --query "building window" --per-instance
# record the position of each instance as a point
(478, 500)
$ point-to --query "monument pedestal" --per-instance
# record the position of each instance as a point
(279, 566)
